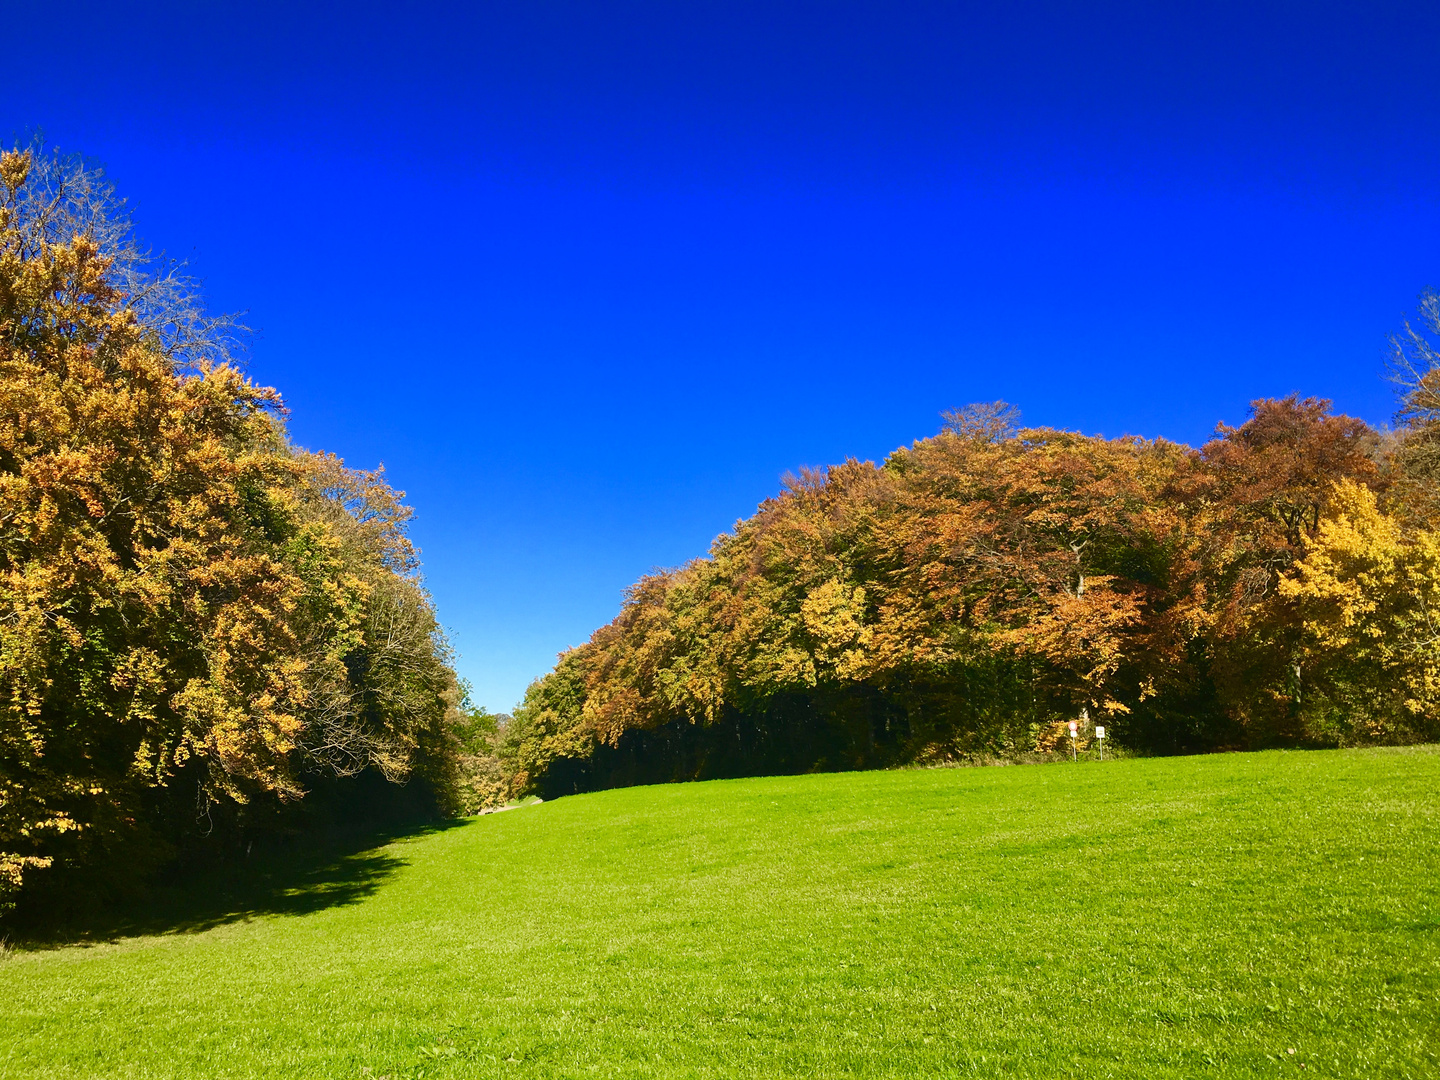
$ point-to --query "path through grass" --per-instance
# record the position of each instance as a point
(1241, 915)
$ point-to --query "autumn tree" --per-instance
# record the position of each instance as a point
(186, 602)
(1415, 372)
(1261, 491)
(1365, 599)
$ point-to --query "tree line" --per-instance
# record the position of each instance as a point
(200, 622)
(974, 593)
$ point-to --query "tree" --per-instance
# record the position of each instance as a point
(1262, 490)
(186, 602)
(1366, 597)
(990, 421)
(1415, 371)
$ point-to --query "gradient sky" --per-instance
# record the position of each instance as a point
(589, 278)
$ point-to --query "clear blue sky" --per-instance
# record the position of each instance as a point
(588, 278)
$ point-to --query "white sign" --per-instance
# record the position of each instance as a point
(1072, 729)
(1099, 731)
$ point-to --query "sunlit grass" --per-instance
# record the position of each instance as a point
(1241, 915)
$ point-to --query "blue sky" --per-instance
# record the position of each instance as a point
(589, 278)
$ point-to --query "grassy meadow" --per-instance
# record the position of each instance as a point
(1233, 915)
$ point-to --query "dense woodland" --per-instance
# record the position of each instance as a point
(975, 592)
(209, 635)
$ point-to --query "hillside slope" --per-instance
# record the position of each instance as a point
(1149, 918)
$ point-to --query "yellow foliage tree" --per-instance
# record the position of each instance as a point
(182, 596)
(1367, 596)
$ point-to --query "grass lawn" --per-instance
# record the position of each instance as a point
(1238, 915)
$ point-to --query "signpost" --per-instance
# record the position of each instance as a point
(1100, 738)
(1073, 726)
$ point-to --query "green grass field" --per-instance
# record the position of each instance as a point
(1239, 915)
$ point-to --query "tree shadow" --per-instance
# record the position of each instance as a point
(295, 878)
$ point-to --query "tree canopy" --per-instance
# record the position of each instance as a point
(975, 592)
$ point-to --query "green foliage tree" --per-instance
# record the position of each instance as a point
(483, 783)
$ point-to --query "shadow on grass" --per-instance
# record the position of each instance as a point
(289, 879)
